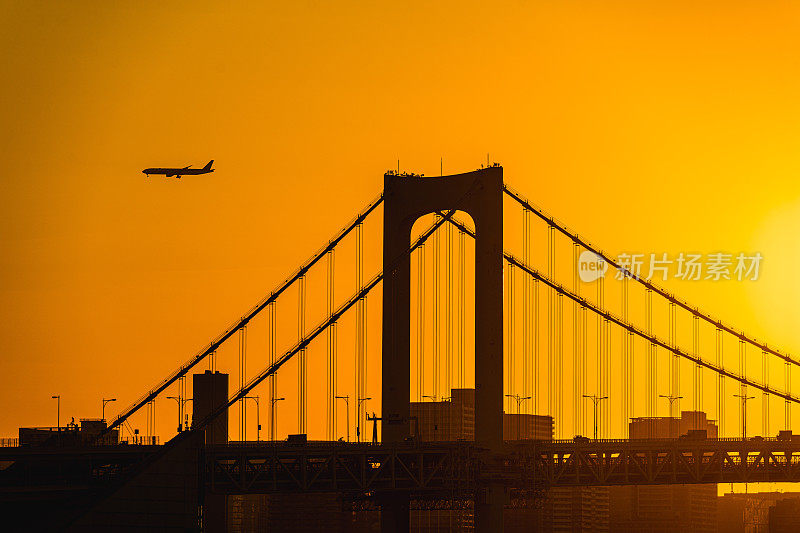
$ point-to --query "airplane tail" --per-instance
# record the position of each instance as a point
(208, 166)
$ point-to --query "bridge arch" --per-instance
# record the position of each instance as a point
(406, 199)
(442, 314)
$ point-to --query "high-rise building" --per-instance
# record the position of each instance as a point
(666, 508)
(565, 509)
(784, 516)
(454, 419)
(748, 512)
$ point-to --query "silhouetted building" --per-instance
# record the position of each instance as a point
(85, 433)
(298, 513)
(210, 391)
(454, 419)
(784, 516)
(566, 509)
(579, 509)
(748, 512)
(666, 508)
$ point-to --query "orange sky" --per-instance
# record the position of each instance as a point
(655, 127)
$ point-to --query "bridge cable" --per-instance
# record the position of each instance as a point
(551, 222)
(787, 407)
(650, 364)
(627, 380)
(242, 381)
(526, 303)
(302, 364)
(448, 310)
(220, 339)
(420, 322)
(764, 396)
(360, 343)
(550, 332)
(436, 313)
(577, 394)
(462, 305)
(601, 355)
(331, 346)
(273, 379)
(698, 382)
(720, 351)
(646, 336)
(536, 363)
(742, 386)
(510, 389)
(695, 358)
(315, 332)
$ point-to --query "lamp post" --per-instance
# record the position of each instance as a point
(671, 400)
(519, 400)
(105, 401)
(744, 397)
(358, 414)
(272, 425)
(258, 420)
(179, 400)
(185, 414)
(58, 411)
(347, 412)
(595, 399)
(433, 398)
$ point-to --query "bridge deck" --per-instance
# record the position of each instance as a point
(431, 468)
(461, 466)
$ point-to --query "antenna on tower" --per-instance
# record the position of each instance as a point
(441, 166)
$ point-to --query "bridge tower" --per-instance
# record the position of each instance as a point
(406, 199)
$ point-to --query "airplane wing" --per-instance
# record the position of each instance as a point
(186, 167)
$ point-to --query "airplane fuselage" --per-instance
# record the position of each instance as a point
(178, 172)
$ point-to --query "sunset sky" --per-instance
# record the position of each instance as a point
(644, 126)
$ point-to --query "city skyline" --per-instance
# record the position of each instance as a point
(585, 213)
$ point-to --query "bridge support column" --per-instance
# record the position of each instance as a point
(489, 505)
(394, 514)
(406, 199)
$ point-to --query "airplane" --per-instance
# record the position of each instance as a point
(178, 172)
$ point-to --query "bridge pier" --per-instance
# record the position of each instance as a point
(406, 199)
(489, 505)
(395, 513)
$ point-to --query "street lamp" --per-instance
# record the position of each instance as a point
(347, 412)
(258, 420)
(185, 414)
(595, 399)
(433, 398)
(744, 397)
(671, 400)
(105, 401)
(58, 411)
(272, 425)
(358, 414)
(179, 400)
(519, 400)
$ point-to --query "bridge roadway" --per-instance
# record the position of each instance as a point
(439, 468)
(429, 468)
(123, 482)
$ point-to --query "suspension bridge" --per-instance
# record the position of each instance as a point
(479, 289)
